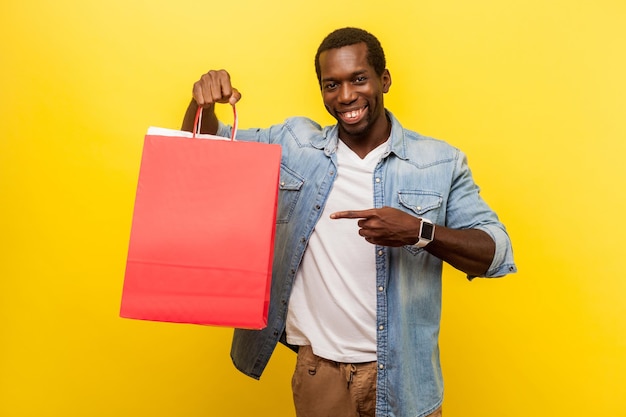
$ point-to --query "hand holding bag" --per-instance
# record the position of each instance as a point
(202, 236)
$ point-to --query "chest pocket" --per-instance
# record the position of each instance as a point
(422, 203)
(289, 188)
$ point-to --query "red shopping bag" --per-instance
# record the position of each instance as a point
(202, 236)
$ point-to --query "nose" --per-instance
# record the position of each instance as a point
(347, 93)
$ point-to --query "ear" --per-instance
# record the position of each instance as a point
(386, 80)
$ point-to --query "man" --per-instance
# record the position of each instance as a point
(368, 211)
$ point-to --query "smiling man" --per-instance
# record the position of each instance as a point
(368, 212)
(353, 94)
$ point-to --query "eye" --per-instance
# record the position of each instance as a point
(330, 86)
(360, 79)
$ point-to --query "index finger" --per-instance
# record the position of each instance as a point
(352, 214)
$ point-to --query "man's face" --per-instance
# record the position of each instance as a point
(353, 93)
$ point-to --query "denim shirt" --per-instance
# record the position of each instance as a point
(419, 175)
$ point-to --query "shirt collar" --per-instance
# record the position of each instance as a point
(330, 137)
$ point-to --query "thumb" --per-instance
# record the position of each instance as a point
(234, 97)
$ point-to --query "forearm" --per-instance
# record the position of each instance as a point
(469, 250)
(209, 119)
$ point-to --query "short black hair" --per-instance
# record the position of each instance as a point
(350, 36)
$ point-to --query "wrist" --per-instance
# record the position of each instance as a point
(426, 233)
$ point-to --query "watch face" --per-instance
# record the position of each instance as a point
(427, 231)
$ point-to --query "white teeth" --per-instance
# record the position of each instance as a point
(352, 114)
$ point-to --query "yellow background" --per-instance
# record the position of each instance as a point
(533, 91)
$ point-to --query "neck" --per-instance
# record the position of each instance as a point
(365, 143)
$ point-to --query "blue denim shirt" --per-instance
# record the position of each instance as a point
(419, 175)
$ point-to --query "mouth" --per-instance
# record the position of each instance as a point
(352, 116)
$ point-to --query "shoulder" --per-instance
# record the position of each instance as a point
(417, 140)
(299, 125)
(302, 130)
(420, 149)
(426, 150)
(296, 125)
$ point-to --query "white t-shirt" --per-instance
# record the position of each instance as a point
(333, 302)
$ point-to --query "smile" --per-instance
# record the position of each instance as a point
(352, 115)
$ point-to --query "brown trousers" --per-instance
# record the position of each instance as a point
(323, 388)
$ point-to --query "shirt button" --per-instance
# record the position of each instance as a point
(377, 179)
(381, 327)
(381, 366)
(380, 253)
(418, 208)
(317, 207)
(380, 288)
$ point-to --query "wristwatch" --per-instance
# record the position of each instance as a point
(426, 234)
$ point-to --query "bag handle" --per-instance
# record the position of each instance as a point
(197, 122)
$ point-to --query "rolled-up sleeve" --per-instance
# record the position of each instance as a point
(502, 263)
